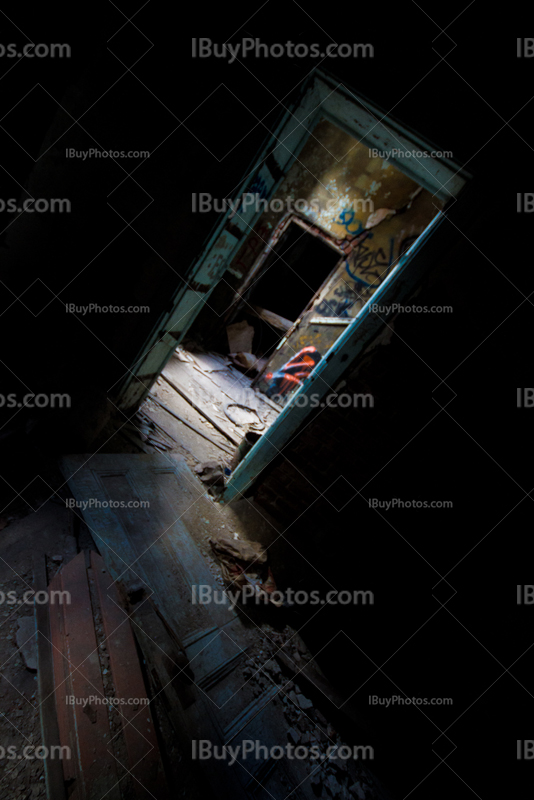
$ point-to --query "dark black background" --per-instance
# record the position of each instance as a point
(480, 460)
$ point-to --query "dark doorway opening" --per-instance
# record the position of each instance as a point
(293, 272)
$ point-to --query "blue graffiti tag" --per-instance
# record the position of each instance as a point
(368, 263)
(258, 187)
(346, 219)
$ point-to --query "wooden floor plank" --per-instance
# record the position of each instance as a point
(157, 545)
(203, 396)
(97, 764)
(54, 777)
(144, 760)
(153, 540)
(62, 690)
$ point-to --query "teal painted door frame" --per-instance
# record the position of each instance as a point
(321, 97)
(396, 288)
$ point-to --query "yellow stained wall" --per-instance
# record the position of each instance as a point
(336, 184)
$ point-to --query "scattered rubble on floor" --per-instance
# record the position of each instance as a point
(243, 416)
(306, 725)
(244, 566)
(51, 527)
(211, 382)
(202, 407)
(153, 434)
(240, 336)
(211, 473)
(26, 642)
(247, 361)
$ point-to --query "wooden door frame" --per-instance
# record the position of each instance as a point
(321, 97)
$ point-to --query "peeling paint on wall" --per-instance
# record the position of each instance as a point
(338, 186)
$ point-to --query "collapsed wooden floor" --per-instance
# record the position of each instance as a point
(223, 675)
(91, 674)
(201, 406)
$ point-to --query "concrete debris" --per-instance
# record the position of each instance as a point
(303, 723)
(240, 336)
(243, 416)
(244, 567)
(273, 667)
(245, 360)
(182, 355)
(306, 726)
(27, 643)
(144, 428)
(304, 702)
(293, 736)
(332, 786)
(357, 791)
(211, 473)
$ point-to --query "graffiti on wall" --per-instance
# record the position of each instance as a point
(363, 271)
(340, 303)
(369, 265)
(258, 188)
(348, 220)
(292, 374)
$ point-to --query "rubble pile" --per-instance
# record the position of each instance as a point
(330, 777)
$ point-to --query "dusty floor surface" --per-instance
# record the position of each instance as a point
(51, 529)
(44, 524)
